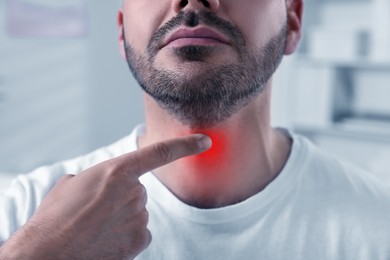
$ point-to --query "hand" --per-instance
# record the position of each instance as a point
(100, 213)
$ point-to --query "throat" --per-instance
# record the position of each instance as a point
(230, 172)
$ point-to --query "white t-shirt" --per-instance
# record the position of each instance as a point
(317, 208)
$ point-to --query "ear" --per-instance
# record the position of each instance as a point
(294, 21)
(121, 39)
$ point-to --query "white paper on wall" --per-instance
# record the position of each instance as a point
(46, 19)
(314, 96)
(372, 92)
(380, 30)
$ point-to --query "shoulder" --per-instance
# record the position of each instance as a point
(336, 179)
(342, 196)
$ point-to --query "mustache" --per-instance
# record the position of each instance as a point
(192, 19)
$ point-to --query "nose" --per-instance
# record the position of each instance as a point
(195, 5)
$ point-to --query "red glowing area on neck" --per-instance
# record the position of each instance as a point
(217, 154)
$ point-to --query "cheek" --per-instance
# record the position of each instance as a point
(260, 23)
(141, 20)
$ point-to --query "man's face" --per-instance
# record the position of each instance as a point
(204, 60)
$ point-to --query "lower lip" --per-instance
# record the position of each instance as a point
(195, 41)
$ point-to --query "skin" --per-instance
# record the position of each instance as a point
(88, 225)
(245, 149)
(100, 213)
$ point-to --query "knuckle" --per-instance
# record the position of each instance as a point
(144, 238)
(142, 218)
(139, 191)
(148, 238)
(164, 152)
(137, 197)
(115, 171)
(110, 168)
(141, 239)
(111, 178)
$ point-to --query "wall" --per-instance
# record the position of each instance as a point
(115, 98)
(63, 96)
(341, 90)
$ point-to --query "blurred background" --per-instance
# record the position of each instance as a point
(65, 91)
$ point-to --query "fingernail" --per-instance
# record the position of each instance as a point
(204, 142)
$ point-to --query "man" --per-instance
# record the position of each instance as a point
(241, 190)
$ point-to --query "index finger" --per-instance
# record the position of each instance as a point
(162, 153)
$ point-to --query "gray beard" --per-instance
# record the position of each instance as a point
(210, 97)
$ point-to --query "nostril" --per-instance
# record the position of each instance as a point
(183, 3)
(205, 3)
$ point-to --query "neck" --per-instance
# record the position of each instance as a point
(247, 154)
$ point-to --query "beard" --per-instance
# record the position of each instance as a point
(203, 98)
